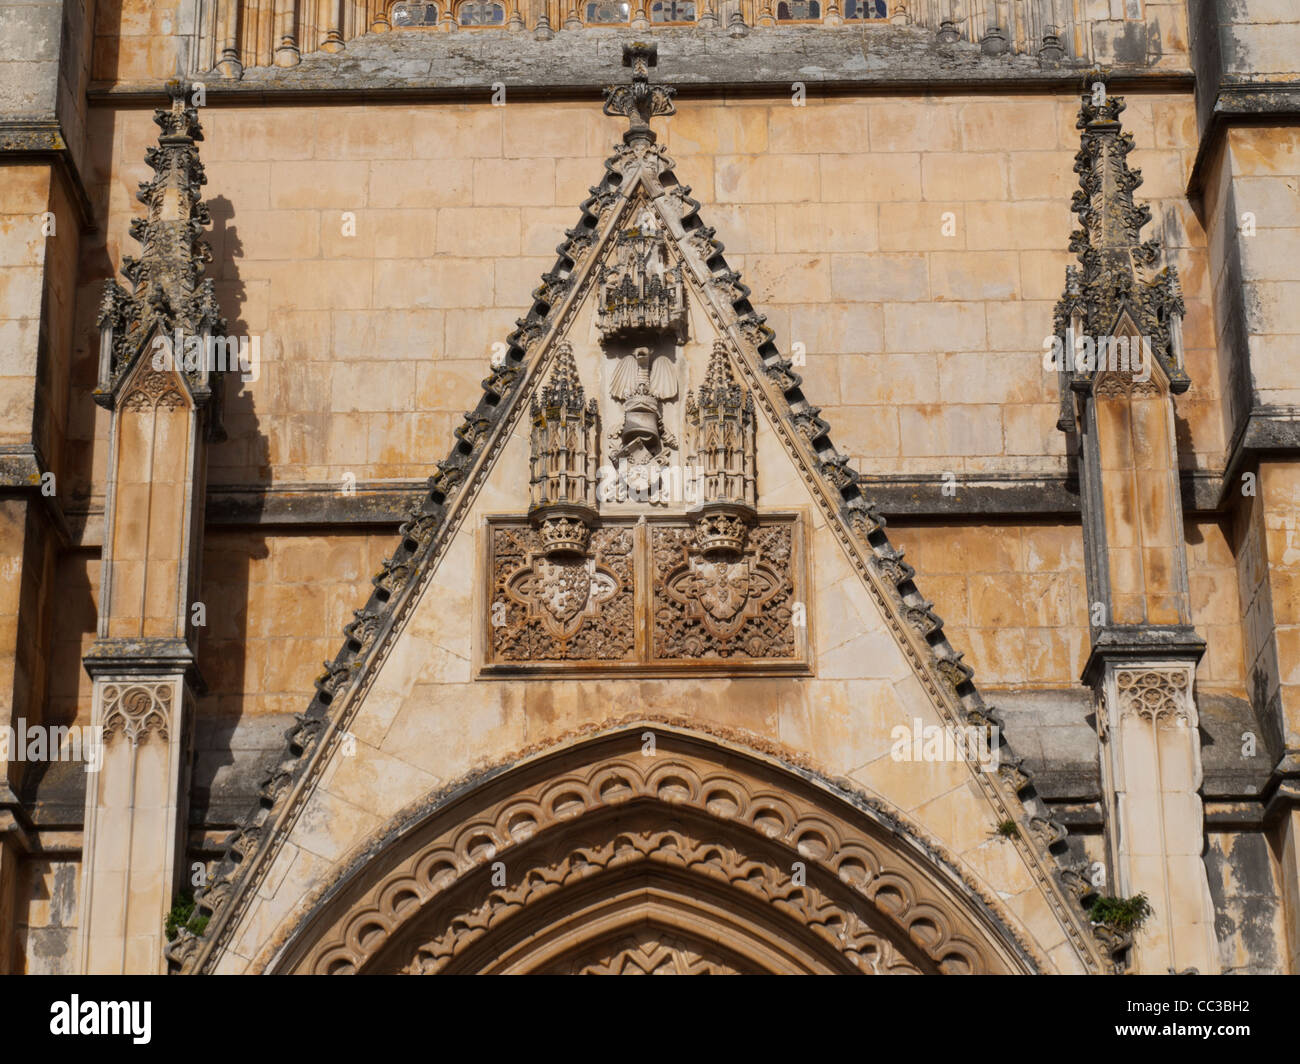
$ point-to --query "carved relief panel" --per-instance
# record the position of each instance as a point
(648, 596)
(711, 606)
(574, 607)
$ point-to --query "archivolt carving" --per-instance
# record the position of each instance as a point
(862, 900)
(136, 710)
(630, 852)
(651, 953)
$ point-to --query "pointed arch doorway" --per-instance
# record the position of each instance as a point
(699, 856)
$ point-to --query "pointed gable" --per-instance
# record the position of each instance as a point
(609, 286)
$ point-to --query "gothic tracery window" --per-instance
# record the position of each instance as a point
(607, 13)
(859, 9)
(672, 11)
(798, 11)
(415, 14)
(481, 13)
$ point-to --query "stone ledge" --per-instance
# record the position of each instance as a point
(24, 138)
(389, 503)
(846, 58)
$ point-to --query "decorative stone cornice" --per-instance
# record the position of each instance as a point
(168, 297)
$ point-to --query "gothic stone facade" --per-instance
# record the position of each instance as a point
(663, 421)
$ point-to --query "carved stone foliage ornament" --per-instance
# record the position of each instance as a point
(137, 710)
(649, 952)
(640, 101)
(153, 390)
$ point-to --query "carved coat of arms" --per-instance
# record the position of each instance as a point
(561, 593)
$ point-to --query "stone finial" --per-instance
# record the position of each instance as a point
(168, 296)
(995, 41)
(1052, 50)
(640, 101)
(1118, 284)
(564, 389)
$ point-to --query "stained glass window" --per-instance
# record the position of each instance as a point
(798, 10)
(482, 13)
(607, 12)
(415, 14)
(865, 9)
(672, 11)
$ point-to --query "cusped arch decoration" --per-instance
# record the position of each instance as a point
(697, 856)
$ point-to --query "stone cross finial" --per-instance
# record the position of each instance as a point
(640, 101)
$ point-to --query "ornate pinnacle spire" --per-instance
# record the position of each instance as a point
(720, 394)
(1118, 273)
(565, 451)
(722, 417)
(166, 280)
(640, 101)
(564, 389)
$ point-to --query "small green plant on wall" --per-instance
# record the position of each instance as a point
(184, 915)
(1006, 829)
(1124, 915)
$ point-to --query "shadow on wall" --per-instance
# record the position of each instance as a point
(226, 770)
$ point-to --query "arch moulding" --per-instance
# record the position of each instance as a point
(697, 856)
